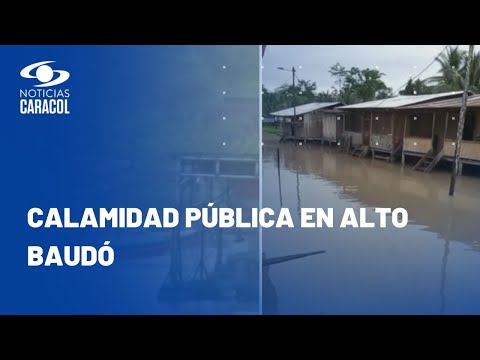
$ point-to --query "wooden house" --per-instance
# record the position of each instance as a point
(431, 132)
(314, 121)
(379, 126)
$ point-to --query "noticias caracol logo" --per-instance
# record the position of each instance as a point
(44, 74)
(44, 98)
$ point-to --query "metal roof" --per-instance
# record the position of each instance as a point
(400, 101)
(473, 101)
(304, 109)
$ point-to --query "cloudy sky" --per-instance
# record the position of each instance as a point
(398, 62)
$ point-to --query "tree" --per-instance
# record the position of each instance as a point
(268, 101)
(359, 85)
(452, 73)
(366, 83)
(340, 72)
(305, 91)
(384, 94)
(419, 87)
(409, 88)
(282, 97)
(452, 64)
(474, 83)
(326, 96)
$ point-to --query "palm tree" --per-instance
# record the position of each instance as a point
(452, 63)
(474, 84)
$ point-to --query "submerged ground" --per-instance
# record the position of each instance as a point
(429, 267)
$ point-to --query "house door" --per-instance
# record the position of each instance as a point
(366, 130)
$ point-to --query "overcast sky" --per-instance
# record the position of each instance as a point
(398, 62)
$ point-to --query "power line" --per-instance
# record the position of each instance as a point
(287, 81)
(425, 69)
(416, 76)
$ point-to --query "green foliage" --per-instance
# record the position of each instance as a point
(453, 69)
(283, 97)
(417, 87)
(271, 134)
(384, 94)
(357, 85)
(360, 85)
(340, 73)
(353, 86)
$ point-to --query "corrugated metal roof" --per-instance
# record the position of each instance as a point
(304, 109)
(400, 101)
(472, 102)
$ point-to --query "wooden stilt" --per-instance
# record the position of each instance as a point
(392, 128)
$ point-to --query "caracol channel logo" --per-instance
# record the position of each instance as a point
(45, 97)
(44, 74)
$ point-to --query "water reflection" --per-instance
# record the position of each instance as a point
(380, 184)
(299, 206)
(444, 276)
(270, 298)
(372, 270)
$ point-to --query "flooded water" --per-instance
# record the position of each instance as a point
(432, 266)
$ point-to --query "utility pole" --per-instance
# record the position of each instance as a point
(461, 122)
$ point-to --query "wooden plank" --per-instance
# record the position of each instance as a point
(470, 149)
(330, 127)
(356, 138)
(417, 145)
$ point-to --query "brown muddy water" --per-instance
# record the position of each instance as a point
(432, 266)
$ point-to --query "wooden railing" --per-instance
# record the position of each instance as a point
(384, 142)
(417, 145)
(356, 137)
(435, 161)
(470, 149)
(422, 160)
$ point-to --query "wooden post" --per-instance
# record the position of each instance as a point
(370, 136)
(404, 136)
(305, 129)
(433, 133)
(392, 128)
(461, 122)
(446, 127)
(371, 128)
(362, 120)
(433, 125)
